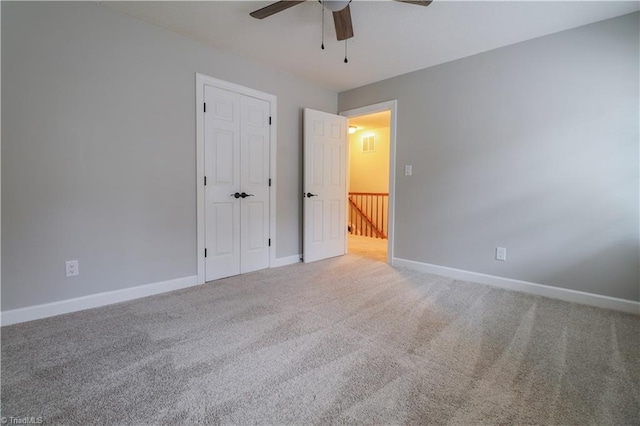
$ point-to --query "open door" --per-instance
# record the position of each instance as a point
(325, 191)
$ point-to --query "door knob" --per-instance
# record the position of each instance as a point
(309, 195)
(245, 195)
(237, 195)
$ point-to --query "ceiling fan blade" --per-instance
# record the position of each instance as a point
(274, 8)
(342, 20)
(417, 3)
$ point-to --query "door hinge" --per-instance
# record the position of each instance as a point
(205, 107)
(269, 242)
(205, 252)
(269, 181)
(205, 181)
(269, 121)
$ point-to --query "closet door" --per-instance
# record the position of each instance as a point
(222, 171)
(254, 181)
(237, 149)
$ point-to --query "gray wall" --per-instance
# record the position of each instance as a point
(532, 147)
(98, 149)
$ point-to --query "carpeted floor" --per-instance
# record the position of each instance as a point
(346, 340)
(369, 247)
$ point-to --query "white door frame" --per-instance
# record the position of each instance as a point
(201, 81)
(392, 107)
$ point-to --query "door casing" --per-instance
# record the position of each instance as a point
(201, 81)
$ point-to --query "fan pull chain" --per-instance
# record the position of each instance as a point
(322, 46)
(345, 52)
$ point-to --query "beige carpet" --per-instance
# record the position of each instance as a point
(347, 340)
(369, 247)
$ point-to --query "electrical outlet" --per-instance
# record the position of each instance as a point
(408, 170)
(501, 253)
(72, 268)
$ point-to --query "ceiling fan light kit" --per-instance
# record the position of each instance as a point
(339, 8)
(335, 5)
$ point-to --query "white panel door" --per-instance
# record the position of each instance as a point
(222, 171)
(254, 178)
(325, 192)
(236, 151)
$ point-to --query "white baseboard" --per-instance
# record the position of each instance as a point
(284, 261)
(565, 294)
(31, 313)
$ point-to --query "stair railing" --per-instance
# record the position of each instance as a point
(368, 214)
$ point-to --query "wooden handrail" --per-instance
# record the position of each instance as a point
(370, 193)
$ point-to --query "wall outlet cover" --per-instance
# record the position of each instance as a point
(501, 253)
(72, 268)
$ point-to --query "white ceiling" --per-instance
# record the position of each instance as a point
(390, 39)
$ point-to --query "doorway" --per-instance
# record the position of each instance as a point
(370, 182)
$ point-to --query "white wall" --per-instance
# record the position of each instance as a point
(533, 147)
(98, 150)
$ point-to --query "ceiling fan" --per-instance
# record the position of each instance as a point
(340, 9)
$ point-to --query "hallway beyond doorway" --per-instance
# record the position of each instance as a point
(369, 158)
(387, 143)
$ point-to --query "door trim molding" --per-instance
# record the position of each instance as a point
(392, 107)
(201, 81)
